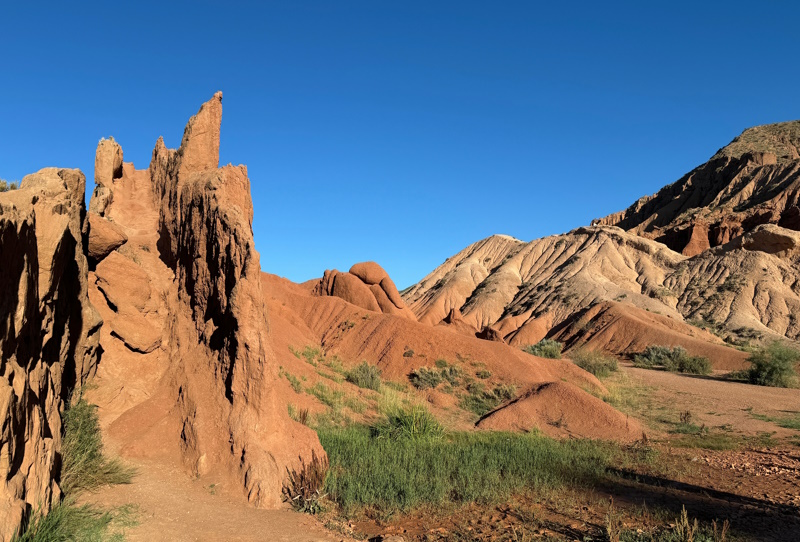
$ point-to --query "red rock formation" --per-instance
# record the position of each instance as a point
(211, 399)
(366, 285)
(48, 334)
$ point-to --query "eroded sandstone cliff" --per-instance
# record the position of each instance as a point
(48, 334)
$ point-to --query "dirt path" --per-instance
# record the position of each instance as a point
(169, 506)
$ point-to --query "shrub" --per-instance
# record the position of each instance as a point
(774, 365)
(303, 488)
(441, 363)
(365, 376)
(414, 422)
(546, 348)
(5, 186)
(84, 465)
(424, 378)
(483, 374)
(408, 353)
(675, 359)
(480, 401)
(597, 363)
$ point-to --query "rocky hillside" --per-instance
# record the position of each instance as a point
(716, 250)
(754, 180)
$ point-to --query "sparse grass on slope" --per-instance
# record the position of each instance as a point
(597, 363)
(546, 348)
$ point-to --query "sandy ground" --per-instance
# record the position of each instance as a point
(718, 403)
(170, 506)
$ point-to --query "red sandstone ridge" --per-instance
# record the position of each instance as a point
(188, 372)
(48, 334)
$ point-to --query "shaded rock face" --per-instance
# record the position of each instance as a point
(366, 285)
(48, 334)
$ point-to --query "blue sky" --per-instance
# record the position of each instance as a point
(402, 132)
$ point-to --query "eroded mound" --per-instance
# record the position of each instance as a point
(561, 409)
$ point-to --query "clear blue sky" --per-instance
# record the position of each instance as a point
(400, 132)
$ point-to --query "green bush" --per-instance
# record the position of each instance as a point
(480, 400)
(424, 378)
(546, 348)
(5, 186)
(393, 475)
(365, 375)
(483, 374)
(414, 422)
(675, 359)
(597, 363)
(774, 365)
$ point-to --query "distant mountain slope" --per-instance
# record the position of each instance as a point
(754, 180)
(717, 249)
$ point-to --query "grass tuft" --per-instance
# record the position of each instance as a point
(365, 375)
(414, 422)
(597, 363)
(85, 467)
(546, 348)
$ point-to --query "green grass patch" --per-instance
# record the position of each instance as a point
(326, 395)
(479, 400)
(597, 363)
(394, 475)
(787, 422)
(546, 348)
(365, 376)
(85, 467)
(67, 521)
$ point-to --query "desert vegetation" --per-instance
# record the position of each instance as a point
(774, 365)
(5, 186)
(675, 359)
(599, 364)
(546, 348)
(407, 461)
